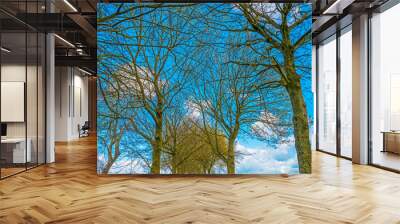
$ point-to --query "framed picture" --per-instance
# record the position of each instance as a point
(204, 88)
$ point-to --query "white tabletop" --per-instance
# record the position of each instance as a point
(13, 140)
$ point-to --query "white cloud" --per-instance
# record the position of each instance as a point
(193, 110)
(264, 8)
(130, 82)
(270, 10)
(252, 160)
(126, 165)
(264, 127)
(267, 160)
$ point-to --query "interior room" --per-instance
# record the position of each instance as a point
(22, 99)
(26, 61)
(283, 111)
(71, 112)
(385, 107)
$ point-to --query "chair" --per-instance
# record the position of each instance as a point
(84, 130)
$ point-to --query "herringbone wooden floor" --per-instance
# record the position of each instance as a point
(69, 191)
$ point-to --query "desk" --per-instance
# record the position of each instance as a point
(13, 150)
(391, 141)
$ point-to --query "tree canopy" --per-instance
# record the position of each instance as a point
(182, 83)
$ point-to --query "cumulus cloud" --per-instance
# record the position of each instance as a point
(146, 80)
(251, 160)
(266, 126)
(281, 159)
(193, 110)
(270, 10)
(124, 165)
(128, 166)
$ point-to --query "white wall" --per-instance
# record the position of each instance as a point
(80, 115)
(70, 83)
(61, 103)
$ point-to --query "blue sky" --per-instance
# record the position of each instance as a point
(258, 156)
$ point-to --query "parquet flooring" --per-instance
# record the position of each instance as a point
(10, 171)
(70, 191)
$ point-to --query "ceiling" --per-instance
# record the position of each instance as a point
(74, 21)
(331, 15)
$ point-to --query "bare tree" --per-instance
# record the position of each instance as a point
(148, 53)
(112, 143)
(286, 30)
(231, 100)
(152, 55)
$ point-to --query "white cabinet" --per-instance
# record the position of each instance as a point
(19, 154)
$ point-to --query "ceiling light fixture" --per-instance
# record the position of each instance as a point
(64, 40)
(337, 7)
(79, 51)
(5, 49)
(84, 71)
(70, 5)
(327, 11)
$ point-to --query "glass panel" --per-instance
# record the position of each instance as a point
(22, 88)
(327, 96)
(346, 93)
(313, 81)
(41, 99)
(385, 84)
(31, 98)
(32, 87)
(13, 87)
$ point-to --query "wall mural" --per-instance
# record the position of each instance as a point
(204, 88)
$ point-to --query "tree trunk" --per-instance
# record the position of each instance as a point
(300, 123)
(157, 146)
(156, 157)
(108, 166)
(174, 166)
(230, 163)
(111, 159)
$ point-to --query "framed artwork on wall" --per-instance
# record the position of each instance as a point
(205, 88)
